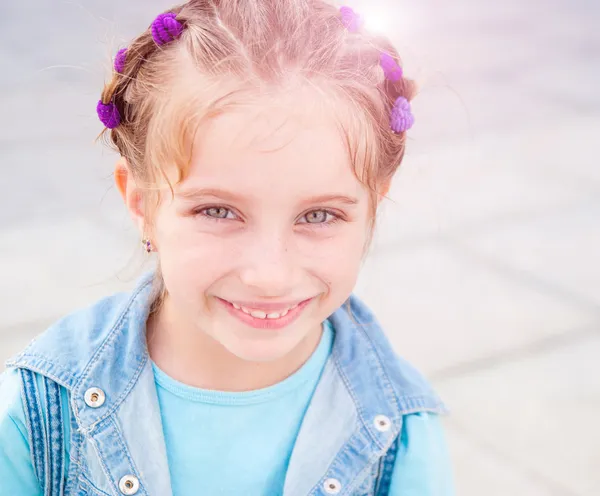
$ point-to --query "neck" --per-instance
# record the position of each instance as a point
(191, 356)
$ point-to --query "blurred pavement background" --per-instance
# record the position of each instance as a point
(485, 269)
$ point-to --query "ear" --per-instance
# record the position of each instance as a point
(385, 189)
(132, 195)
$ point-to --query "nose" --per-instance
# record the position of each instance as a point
(268, 265)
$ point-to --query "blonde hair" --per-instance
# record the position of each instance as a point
(229, 49)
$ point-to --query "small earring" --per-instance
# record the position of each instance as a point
(148, 244)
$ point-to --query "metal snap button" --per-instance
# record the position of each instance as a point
(382, 423)
(129, 485)
(94, 397)
(332, 486)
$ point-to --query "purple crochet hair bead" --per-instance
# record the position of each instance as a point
(350, 19)
(391, 69)
(108, 114)
(401, 118)
(166, 28)
(120, 59)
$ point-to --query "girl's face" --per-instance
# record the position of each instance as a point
(270, 220)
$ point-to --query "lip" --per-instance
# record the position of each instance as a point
(274, 324)
(266, 307)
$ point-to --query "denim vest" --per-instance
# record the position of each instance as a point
(98, 356)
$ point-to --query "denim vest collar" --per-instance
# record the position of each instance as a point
(105, 346)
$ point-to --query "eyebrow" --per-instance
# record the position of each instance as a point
(190, 194)
(348, 200)
(194, 194)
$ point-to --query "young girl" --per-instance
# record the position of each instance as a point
(257, 139)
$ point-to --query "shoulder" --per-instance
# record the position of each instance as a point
(364, 346)
(64, 350)
(423, 466)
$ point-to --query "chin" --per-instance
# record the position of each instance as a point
(259, 350)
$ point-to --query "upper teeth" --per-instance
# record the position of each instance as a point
(259, 314)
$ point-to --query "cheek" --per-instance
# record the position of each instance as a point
(191, 259)
(337, 260)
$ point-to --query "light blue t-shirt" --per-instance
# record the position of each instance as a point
(217, 443)
(222, 443)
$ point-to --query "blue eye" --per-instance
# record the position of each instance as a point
(216, 213)
(316, 218)
(321, 218)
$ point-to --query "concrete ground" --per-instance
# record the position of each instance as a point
(486, 265)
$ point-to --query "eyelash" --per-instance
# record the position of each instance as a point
(335, 216)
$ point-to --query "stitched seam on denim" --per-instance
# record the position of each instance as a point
(55, 437)
(126, 391)
(424, 409)
(47, 453)
(372, 459)
(354, 483)
(103, 464)
(418, 397)
(92, 485)
(24, 437)
(325, 477)
(24, 365)
(397, 399)
(32, 407)
(75, 453)
(388, 383)
(44, 432)
(346, 381)
(357, 404)
(351, 484)
(388, 460)
(58, 381)
(109, 339)
(27, 422)
(374, 456)
(128, 454)
(378, 477)
(112, 333)
(25, 402)
(50, 452)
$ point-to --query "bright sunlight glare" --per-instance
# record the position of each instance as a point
(376, 21)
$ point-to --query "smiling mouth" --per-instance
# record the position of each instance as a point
(262, 314)
(263, 319)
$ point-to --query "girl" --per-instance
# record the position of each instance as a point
(257, 140)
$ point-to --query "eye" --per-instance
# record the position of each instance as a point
(320, 217)
(216, 213)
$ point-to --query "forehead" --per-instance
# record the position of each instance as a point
(289, 143)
